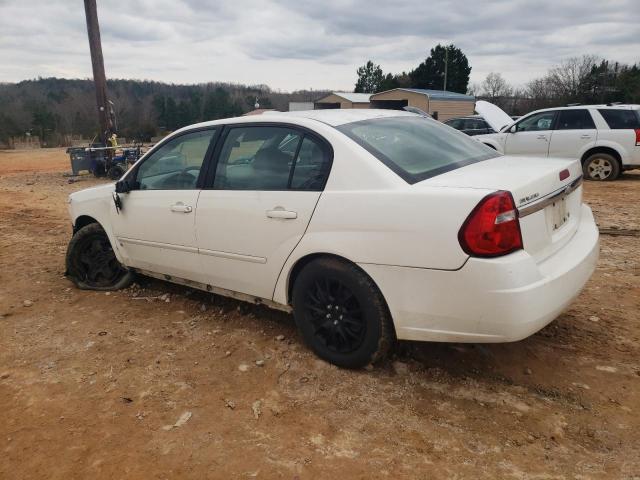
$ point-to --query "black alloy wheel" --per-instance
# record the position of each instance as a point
(341, 313)
(336, 315)
(92, 263)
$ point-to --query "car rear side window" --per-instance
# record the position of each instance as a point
(271, 158)
(579, 119)
(311, 167)
(619, 119)
(416, 148)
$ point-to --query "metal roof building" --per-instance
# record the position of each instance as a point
(441, 104)
(343, 100)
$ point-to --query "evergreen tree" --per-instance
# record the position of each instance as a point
(430, 73)
(370, 78)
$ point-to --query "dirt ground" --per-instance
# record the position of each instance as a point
(160, 381)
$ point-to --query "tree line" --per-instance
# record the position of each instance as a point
(586, 80)
(56, 109)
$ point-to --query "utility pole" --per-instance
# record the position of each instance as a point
(446, 66)
(97, 62)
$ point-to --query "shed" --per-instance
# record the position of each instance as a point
(442, 104)
(343, 100)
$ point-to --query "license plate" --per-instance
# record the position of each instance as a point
(559, 215)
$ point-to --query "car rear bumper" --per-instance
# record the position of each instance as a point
(489, 300)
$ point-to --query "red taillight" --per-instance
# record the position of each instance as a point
(492, 228)
(564, 174)
(637, 136)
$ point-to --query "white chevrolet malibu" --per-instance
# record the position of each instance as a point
(369, 225)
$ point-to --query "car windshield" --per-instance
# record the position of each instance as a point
(416, 148)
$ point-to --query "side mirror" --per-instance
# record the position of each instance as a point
(513, 129)
(123, 186)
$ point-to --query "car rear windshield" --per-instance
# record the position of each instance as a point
(619, 119)
(416, 148)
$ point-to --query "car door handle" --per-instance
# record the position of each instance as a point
(585, 136)
(281, 213)
(181, 208)
(541, 137)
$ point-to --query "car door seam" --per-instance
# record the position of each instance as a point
(273, 293)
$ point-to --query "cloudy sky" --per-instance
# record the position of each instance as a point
(294, 44)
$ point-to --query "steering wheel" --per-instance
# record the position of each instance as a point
(182, 179)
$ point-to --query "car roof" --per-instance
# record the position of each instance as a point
(619, 106)
(337, 116)
(333, 117)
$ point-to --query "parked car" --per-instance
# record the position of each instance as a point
(605, 138)
(471, 125)
(378, 225)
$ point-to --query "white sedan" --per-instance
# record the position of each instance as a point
(369, 225)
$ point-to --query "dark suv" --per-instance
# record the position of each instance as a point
(472, 125)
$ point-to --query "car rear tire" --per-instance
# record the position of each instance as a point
(92, 263)
(601, 167)
(341, 314)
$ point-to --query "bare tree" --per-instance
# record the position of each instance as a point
(473, 89)
(494, 87)
(566, 80)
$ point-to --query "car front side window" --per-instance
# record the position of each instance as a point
(176, 164)
(537, 122)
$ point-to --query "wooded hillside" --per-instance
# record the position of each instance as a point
(54, 108)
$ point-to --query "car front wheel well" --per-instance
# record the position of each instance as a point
(82, 221)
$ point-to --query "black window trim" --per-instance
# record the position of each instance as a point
(209, 180)
(410, 178)
(133, 173)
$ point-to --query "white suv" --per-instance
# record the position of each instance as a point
(606, 138)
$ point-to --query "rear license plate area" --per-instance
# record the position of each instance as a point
(559, 213)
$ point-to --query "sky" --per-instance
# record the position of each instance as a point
(305, 44)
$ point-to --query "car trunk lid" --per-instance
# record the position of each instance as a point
(547, 193)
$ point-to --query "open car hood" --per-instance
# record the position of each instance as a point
(494, 116)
